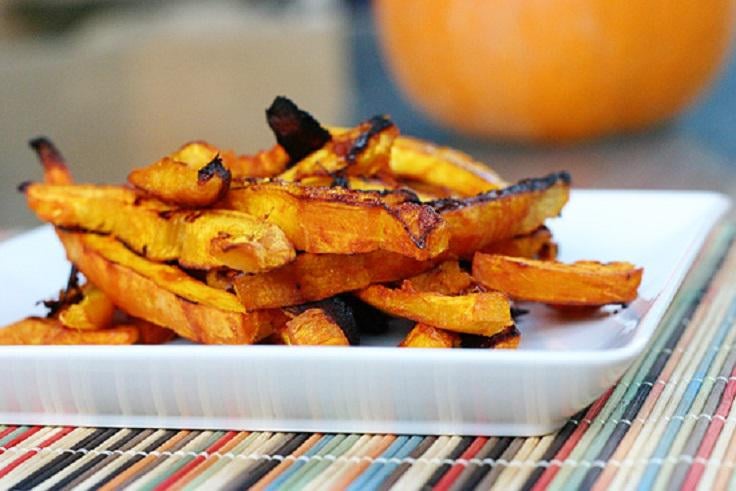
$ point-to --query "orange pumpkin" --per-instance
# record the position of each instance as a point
(553, 70)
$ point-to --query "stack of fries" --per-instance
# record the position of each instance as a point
(330, 233)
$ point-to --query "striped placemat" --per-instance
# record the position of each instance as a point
(670, 423)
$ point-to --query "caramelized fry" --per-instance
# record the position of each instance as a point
(317, 276)
(34, 330)
(182, 184)
(343, 221)
(425, 336)
(296, 131)
(535, 245)
(484, 313)
(93, 311)
(476, 222)
(195, 238)
(580, 283)
(313, 327)
(163, 294)
(361, 151)
(442, 167)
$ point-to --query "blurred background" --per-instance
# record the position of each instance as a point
(120, 83)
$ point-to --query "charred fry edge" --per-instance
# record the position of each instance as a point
(297, 131)
(523, 186)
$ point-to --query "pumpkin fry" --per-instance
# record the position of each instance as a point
(94, 310)
(163, 294)
(37, 331)
(484, 313)
(313, 277)
(182, 184)
(343, 221)
(441, 167)
(195, 238)
(496, 215)
(579, 283)
(425, 336)
(361, 151)
(313, 327)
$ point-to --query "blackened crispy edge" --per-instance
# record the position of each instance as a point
(297, 131)
(476, 341)
(377, 124)
(523, 186)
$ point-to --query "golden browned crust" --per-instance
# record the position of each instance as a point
(343, 221)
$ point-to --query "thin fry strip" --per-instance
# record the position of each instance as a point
(195, 238)
(484, 313)
(34, 330)
(165, 295)
(442, 167)
(476, 222)
(581, 283)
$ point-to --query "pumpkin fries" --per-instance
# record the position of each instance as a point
(330, 233)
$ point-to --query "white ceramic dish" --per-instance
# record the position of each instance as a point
(560, 367)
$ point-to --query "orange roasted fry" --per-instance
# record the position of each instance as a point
(496, 215)
(317, 276)
(181, 184)
(447, 278)
(35, 330)
(425, 336)
(535, 245)
(580, 283)
(194, 238)
(343, 221)
(94, 310)
(441, 167)
(361, 151)
(484, 313)
(165, 295)
(313, 327)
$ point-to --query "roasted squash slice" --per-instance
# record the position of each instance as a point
(165, 295)
(538, 244)
(343, 221)
(317, 276)
(496, 215)
(194, 238)
(425, 336)
(581, 283)
(484, 313)
(35, 330)
(441, 167)
(94, 310)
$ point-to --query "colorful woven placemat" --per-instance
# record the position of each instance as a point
(670, 423)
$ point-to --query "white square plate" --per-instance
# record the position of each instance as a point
(560, 367)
